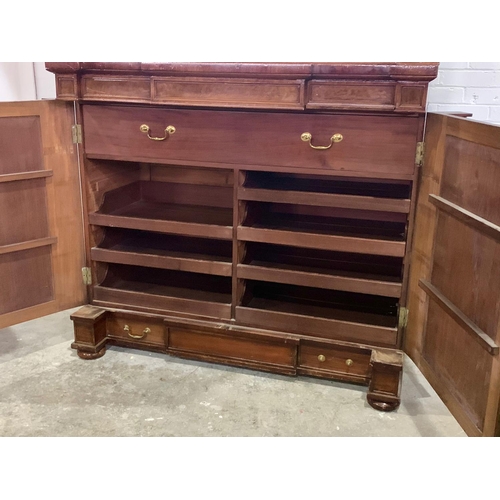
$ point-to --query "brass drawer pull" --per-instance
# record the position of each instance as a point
(307, 137)
(168, 132)
(349, 362)
(127, 329)
(321, 358)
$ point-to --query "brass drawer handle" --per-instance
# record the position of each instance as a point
(349, 362)
(127, 329)
(168, 132)
(307, 137)
(321, 358)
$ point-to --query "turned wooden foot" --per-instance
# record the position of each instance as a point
(385, 384)
(91, 355)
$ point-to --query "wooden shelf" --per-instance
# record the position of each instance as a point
(329, 279)
(310, 321)
(371, 246)
(326, 200)
(165, 252)
(161, 225)
(146, 206)
(377, 275)
(200, 295)
(322, 313)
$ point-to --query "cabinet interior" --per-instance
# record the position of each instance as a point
(214, 242)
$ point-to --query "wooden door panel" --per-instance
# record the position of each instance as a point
(20, 144)
(23, 205)
(41, 235)
(26, 279)
(468, 273)
(453, 331)
(462, 364)
(471, 177)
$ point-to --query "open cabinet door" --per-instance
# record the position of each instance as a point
(454, 303)
(41, 235)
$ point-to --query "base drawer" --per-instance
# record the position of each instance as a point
(141, 331)
(233, 347)
(338, 361)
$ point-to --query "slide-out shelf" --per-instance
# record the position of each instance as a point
(320, 313)
(326, 200)
(293, 237)
(165, 252)
(165, 290)
(202, 211)
(377, 275)
(207, 222)
(329, 279)
(326, 191)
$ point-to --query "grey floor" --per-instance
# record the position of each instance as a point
(46, 390)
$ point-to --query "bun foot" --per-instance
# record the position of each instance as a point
(382, 405)
(91, 355)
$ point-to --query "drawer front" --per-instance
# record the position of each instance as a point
(232, 347)
(141, 331)
(335, 359)
(370, 145)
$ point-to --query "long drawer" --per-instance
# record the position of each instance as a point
(371, 145)
(233, 346)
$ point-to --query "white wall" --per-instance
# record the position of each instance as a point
(26, 81)
(17, 82)
(473, 87)
(45, 82)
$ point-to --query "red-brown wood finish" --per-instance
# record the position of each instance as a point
(454, 332)
(225, 235)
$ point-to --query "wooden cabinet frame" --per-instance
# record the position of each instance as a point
(269, 281)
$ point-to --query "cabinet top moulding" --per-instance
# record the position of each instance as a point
(400, 87)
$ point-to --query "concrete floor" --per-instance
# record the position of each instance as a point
(46, 390)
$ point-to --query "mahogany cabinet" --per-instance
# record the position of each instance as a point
(262, 216)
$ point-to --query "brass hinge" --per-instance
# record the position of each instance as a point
(403, 317)
(76, 133)
(419, 155)
(87, 276)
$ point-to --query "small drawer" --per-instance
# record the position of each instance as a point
(328, 143)
(334, 359)
(142, 331)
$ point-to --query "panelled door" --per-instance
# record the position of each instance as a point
(453, 331)
(41, 235)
